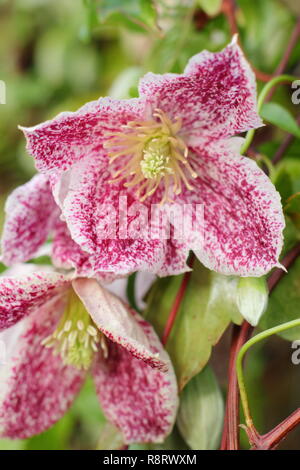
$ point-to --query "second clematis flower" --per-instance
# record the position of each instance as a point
(56, 329)
(175, 144)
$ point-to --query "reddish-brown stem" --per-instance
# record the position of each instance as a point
(282, 149)
(177, 302)
(286, 56)
(289, 49)
(230, 437)
(271, 440)
(228, 8)
(284, 146)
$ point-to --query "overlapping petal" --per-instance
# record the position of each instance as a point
(67, 254)
(242, 212)
(215, 97)
(30, 215)
(21, 296)
(119, 323)
(71, 136)
(36, 387)
(140, 400)
(92, 210)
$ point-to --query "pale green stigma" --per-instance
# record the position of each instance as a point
(156, 156)
(151, 154)
(76, 338)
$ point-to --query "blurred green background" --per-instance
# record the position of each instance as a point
(57, 54)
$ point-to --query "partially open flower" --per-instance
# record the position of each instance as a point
(66, 328)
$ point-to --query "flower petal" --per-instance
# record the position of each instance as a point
(119, 323)
(36, 387)
(31, 212)
(64, 140)
(90, 206)
(19, 297)
(67, 254)
(243, 218)
(141, 401)
(176, 256)
(215, 97)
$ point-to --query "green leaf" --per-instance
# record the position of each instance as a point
(2, 268)
(284, 303)
(201, 412)
(211, 7)
(141, 10)
(205, 312)
(291, 235)
(252, 298)
(283, 183)
(280, 117)
(258, 26)
(293, 204)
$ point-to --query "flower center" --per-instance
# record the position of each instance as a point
(149, 153)
(76, 338)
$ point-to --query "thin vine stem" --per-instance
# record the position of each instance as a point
(261, 99)
(239, 362)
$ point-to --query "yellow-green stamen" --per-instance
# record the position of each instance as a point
(76, 338)
(153, 153)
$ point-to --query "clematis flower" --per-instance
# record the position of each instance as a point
(175, 144)
(60, 328)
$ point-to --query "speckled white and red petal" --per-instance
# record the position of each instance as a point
(215, 96)
(243, 219)
(30, 215)
(66, 139)
(175, 261)
(88, 205)
(19, 297)
(140, 400)
(119, 323)
(66, 254)
(36, 387)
